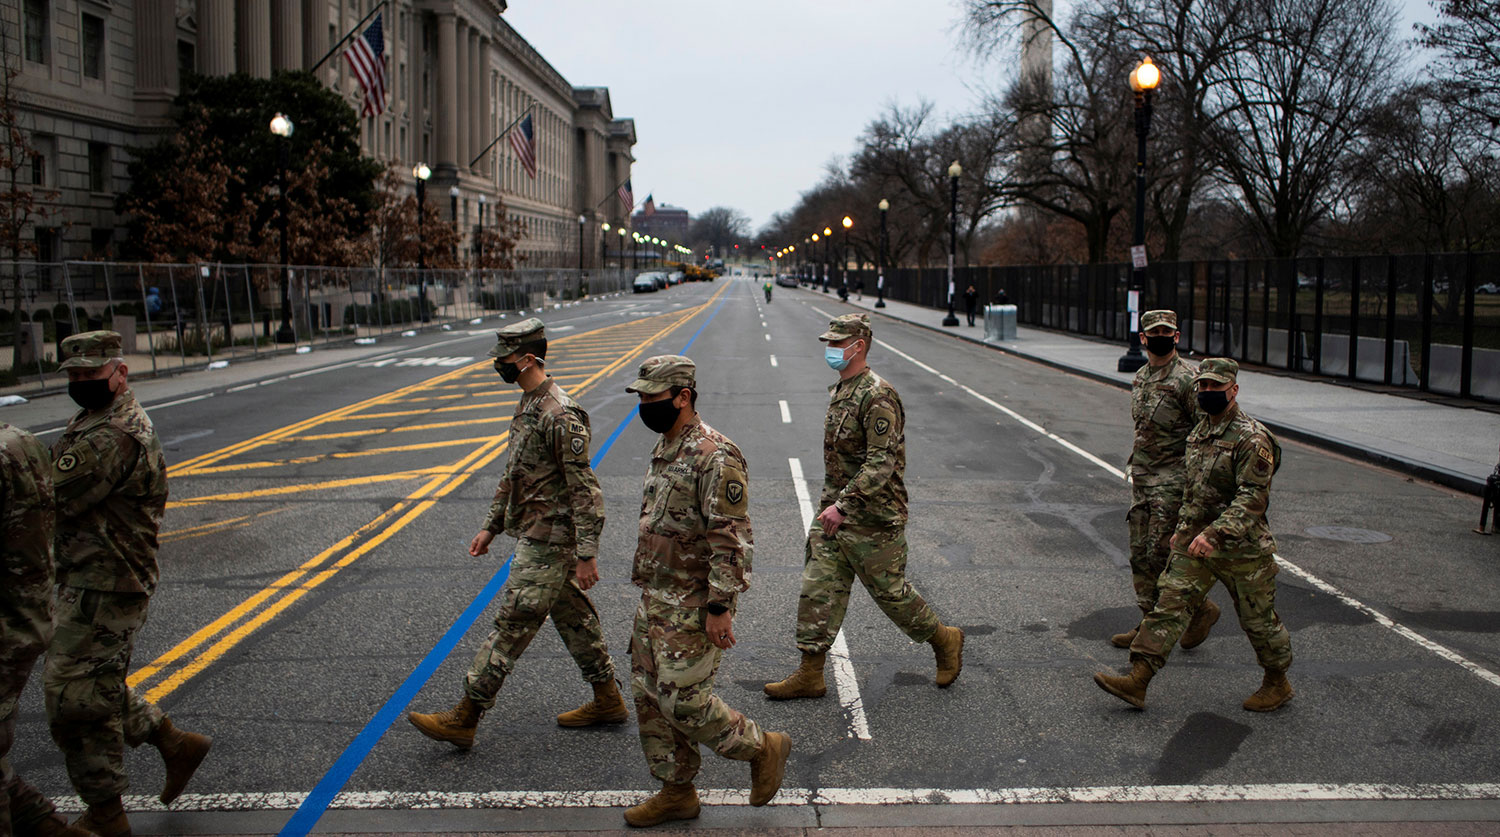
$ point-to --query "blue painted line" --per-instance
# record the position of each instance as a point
(316, 804)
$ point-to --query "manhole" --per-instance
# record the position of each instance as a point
(1347, 534)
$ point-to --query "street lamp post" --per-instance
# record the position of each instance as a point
(621, 232)
(814, 252)
(453, 210)
(282, 127)
(953, 172)
(581, 221)
(479, 237)
(422, 172)
(844, 257)
(604, 246)
(1143, 80)
(807, 261)
(880, 265)
(827, 257)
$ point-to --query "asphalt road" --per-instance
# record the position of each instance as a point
(314, 554)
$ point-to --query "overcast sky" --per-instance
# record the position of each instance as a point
(743, 104)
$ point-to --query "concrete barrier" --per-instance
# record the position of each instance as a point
(999, 323)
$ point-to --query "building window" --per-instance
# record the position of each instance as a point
(45, 251)
(102, 241)
(36, 31)
(98, 167)
(93, 46)
(41, 172)
(187, 59)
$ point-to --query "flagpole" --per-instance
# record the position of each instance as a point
(358, 27)
(612, 194)
(501, 135)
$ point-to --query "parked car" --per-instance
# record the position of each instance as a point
(1488, 288)
(786, 280)
(675, 277)
(644, 284)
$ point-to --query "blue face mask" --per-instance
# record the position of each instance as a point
(835, 357)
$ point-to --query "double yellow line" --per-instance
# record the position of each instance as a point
(192, 655)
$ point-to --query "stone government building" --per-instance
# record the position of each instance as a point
(98, 76)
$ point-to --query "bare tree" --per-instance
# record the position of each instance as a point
(1294, 104)
(1468, 36)
(22, 201)
(720, 227)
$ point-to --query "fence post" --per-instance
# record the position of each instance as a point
(250, 303)
(177, 315)
(1465, 386)
(1354, 282)
(1318, 320)
(1426, 297)
(208, 338)
(228, 309)
(1390, 321)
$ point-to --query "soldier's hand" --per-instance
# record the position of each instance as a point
(587, 573)
(832, 519)
(720, 630)
(481, 543)
(1200, 547)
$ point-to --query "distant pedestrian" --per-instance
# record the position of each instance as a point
(153, 302)
(1001, 298)
(1223, 535)
(971, 303)
(859, 288)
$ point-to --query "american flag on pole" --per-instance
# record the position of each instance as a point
(627, 197)
(523, 140)
(366, 57)
(649, 207)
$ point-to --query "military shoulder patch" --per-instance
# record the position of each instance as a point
(734, 492)
(67, 462)
(879, 423)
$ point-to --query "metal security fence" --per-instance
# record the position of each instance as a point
(1429, 322)
(187, 316)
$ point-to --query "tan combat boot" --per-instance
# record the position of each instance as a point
(1131, 687)
(1197, 630)
(948, 647)
(456, 726)
(181, 752)
(1273, 692)
(56, 826)
(1124, 640)
(672, 802)
(607, 707)
(768, 767)
(805, 682)
(106, 819)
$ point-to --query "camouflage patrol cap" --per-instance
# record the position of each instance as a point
(1159, 317)
(512, 337)
(661, 373)
(847, 326)
(1220, 370)
(91, 350)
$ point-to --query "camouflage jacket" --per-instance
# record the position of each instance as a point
(1229, 468)
(27, 517)
(695, 544)
(864, 452)
(548, 492)
(1164, 406)
(111, 482)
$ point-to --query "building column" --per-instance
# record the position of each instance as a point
(216, 37)
(461, 124)
(314, 32)
(156, 49)
(487, 109)
(286, 49)
(253, 50)
(445, 120)
(476, 96)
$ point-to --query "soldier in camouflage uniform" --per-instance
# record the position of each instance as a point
(549, 500)
(1164, 406)
(1222, 534)
(27, 516)
(111, 486)
(692, 561)
(861, 532)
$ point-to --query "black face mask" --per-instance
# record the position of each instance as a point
(91, 395)
(509, 372)
(1161, 345)
(1214, 401)
(659, 416)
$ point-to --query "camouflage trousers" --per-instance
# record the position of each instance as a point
(542, 583)
(672, 667)
(23, 638)
(1152, 519)
(91, 712)
(878, 559)
(1251, 582)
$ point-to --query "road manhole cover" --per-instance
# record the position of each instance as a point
(1347, 534)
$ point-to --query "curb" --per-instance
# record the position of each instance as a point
(1421, 470)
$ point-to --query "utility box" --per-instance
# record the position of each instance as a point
(999, 323)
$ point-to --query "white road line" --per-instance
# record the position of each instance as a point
(797, 797)
(786, 413)
(1381, 619)
(241, 388)
(181, 401)
(768, 338)
(773, 361)
(843, 669)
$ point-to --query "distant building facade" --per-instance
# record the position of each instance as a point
(98, 76)
(668, 222)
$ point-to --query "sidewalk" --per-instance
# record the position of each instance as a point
(1450, 445)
